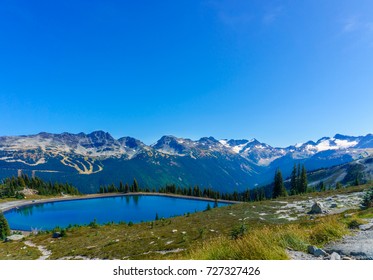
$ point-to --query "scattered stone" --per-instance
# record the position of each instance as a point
(319, 252)
(334, 205)
(346, 258)
(56, 234)
(347, 215)
(368, 226)
(183, 232)
(14, 237)
(174, 230)
(311, 249)
(335, 256)
(317, 208)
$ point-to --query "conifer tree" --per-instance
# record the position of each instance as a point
(121, 187)
(135, 186)
(322, 186)
(216, 203)
(278, 189)
(299, 188)
(4, 227)
(303, 180)
(246, 196)
(293, 181)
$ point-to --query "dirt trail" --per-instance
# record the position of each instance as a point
(44, 252)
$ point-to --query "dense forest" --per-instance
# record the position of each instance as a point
(14, 187)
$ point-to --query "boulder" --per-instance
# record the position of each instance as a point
(334, 205)
(311, 249)
(319, 252)
(56, 234)
(335, 256)
(317, 208)
(14, 237)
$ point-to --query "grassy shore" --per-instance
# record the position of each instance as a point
(240, 231)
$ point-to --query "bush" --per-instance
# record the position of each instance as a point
(238, 231)
(354, 224)
(368, 199)
(93, 224)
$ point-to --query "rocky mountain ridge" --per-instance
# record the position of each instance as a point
(240, 163)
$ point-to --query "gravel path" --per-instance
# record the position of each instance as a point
(358, 246)
(44, 252)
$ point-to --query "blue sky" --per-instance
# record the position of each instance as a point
(280, 71)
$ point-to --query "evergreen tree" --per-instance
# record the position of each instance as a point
(216, 205)
(299, 188)
(126, 188)
(208, 207)
(293, 181)
(121, 187)
(322, 186)
(303, 180)
(278, 188)
(135, 186)
(246, 195)
(4, 227)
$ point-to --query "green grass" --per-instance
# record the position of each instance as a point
(17, 250)
(203, 235)
(270, 242)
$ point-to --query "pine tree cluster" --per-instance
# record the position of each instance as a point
(298, 180)
(12, 187)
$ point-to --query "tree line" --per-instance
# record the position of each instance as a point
(248, 195)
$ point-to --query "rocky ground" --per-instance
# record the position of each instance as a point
(358, 246)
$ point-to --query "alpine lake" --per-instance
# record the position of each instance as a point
(102, 210)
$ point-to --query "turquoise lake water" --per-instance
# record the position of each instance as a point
(134, 208)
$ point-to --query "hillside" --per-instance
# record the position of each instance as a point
(90, 160)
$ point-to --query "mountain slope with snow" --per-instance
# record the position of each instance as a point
(97, 158)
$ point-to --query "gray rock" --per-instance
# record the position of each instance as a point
(368, 226)
(333, 205)
(311, 249)
(56, 234)
(346, 258)
(319, 252)
(14, 237)
(335, 256)
(317, 208)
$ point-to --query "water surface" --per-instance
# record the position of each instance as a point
(134, 208)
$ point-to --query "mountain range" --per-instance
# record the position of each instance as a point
(94, 159)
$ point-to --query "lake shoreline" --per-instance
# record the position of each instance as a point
(10, 205)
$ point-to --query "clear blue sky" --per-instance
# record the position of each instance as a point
(280, 71)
